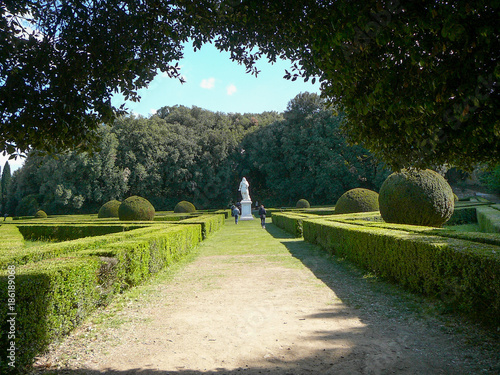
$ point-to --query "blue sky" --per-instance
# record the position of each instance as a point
(215, 83)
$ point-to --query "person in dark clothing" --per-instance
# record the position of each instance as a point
(262, 214)
(235, 212)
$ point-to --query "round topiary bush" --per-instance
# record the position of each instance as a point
(40, 214)
(136, 208)
(417, 197)
(302, 203)
(184, 207)
(109, 209)
(357, 200)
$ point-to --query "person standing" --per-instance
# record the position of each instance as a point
(235, 212)
(262, 214)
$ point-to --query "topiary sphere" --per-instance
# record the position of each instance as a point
(40, 214)
(302, 203)
(417, 197)
(109, 209)
(357, 200)
(184, 207)
(137, 209)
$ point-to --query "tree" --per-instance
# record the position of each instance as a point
(61, 61)
(70, 182)
(6, 177)
(418, 81)
(306, 156)
(180, 154)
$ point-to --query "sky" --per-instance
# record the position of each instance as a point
(216, 83)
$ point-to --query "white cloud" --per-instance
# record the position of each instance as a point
(207, 83)
(231, 89)
(153, 111)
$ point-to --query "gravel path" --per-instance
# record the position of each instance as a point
(256, 301)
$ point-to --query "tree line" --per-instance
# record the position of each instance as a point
(418, 81)
(197, 155)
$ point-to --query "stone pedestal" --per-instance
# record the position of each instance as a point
(246, 210)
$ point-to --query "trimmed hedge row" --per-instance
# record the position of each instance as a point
(488, 219)
(289, 222)
(52, 296)
(374, 220)
(463, 215)
(209, 223)
(135, 259)
(173, 217)
(19, 256)
(68, 232)
(49, 299)
(463, 274)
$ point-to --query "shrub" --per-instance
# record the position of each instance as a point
(463, 274)
(109, 209)
(417, 197)
(184, 207)
(357, 200)
(51, 298)
(136, 208)
(302, 203)
(40, 214)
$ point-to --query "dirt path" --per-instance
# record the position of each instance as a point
(271, 304)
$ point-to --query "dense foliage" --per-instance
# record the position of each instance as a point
(357, 200)
(4, 185)
(417, 197)
(179, 154)
(61, 61)
(306, 156)
(418, 81)
(426, 73)
(200, 156)
(491, 179)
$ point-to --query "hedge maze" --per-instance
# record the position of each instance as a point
(55, 271)
(462, 269)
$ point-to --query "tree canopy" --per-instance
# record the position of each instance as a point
(200, 156)
(417, 81)
(61, 61)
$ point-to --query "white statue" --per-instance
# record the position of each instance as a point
(245, 193)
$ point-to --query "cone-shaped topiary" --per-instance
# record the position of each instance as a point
(184, 207)
(40, 214)
(109, 209)
(303, 203)
(357, 200)
(136, 208)
(417, 197)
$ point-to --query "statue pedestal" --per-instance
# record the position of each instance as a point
(246, 210)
